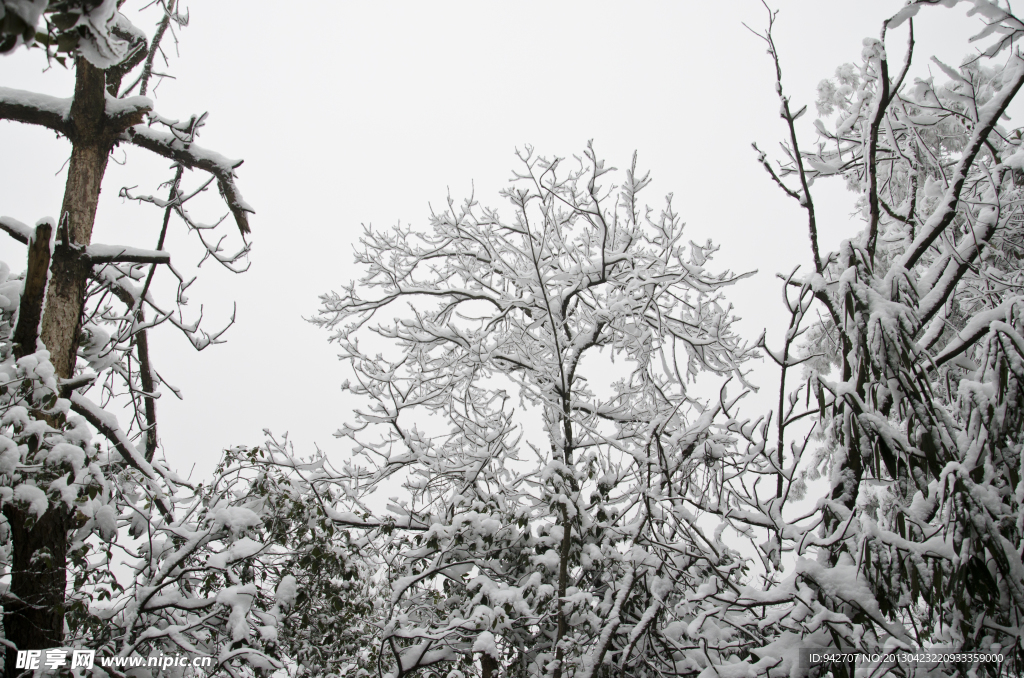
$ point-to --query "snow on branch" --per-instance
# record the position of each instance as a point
(17, 230)
(195, 157)
(106, 423)
(942, 216)
(35, 109)
(100, 254)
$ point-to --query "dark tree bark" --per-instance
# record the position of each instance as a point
(30, 310)
(488, 666)
(34, 612)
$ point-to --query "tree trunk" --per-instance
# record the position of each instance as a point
(565, 549)
(69, 273)
(30, 310)
(34, 612)
(35, 620)
(488, 666)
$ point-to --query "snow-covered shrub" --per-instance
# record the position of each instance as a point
(246, 568)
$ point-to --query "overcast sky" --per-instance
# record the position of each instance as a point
(367, 113)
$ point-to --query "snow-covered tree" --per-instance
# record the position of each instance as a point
(83, 26)
(616, 544)
(552, 391)
(252, 572)
(74, 338)
(529, 379)
(245, 568)
(911, 337)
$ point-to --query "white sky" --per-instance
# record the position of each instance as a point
(367, 112)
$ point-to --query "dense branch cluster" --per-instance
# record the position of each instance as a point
(538, 534)
(550, 393)
(916, 367)
(241, 568)
(618, 544)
